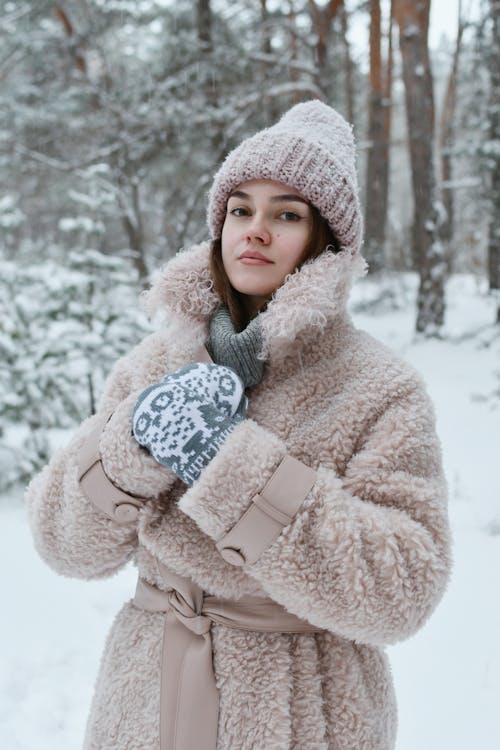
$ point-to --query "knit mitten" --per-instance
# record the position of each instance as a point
(184, 419)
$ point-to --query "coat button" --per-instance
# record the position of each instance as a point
(233, 556)
(126, 512)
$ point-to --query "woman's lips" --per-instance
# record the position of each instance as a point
(254, 258)
(254, 261)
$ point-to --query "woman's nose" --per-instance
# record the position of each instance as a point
(258, 230)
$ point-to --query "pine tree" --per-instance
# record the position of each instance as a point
(61, 329)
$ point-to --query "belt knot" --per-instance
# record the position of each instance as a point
(188, 687)
(197, 623)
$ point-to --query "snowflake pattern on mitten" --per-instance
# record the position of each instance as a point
(184, 419)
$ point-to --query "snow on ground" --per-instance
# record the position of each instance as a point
(52, 629)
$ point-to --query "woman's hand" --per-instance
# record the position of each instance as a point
(184, 419)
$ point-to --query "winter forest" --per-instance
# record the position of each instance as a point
(114, 115)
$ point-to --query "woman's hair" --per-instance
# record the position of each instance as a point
(321, 238)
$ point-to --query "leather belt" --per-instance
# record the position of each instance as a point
(189, 699)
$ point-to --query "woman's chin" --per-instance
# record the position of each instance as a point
(255, 292)
(254, 287)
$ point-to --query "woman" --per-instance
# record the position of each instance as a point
(284, 503)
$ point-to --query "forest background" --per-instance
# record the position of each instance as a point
(115, 115)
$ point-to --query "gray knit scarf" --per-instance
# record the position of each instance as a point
(236, 350)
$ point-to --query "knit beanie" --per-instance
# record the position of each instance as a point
(310, 148)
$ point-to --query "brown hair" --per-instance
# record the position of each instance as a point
(321, 238)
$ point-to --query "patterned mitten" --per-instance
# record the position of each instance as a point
(184, 419)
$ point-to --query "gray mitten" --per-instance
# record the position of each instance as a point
(184, 419)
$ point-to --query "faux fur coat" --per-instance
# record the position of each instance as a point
(366, 557)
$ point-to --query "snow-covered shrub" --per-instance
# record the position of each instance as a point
(11, 219)
(61, 329)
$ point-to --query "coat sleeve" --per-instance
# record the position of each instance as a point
(365, 555)
(82, 533)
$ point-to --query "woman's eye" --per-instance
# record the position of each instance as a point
(290, 216)
(239, 211)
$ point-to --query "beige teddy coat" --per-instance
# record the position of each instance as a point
(367, 557)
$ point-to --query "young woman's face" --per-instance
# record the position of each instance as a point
(265, 233)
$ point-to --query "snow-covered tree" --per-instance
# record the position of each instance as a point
(492, 152)
(413, 22)
(61, 329)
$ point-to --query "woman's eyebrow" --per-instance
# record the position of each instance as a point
(239, 194)
(274, 199)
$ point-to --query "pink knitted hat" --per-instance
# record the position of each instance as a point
(310, 148)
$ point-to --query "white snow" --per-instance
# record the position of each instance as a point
(52, 629)
(79, 223)
(11, 215)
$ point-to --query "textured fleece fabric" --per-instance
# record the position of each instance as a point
(367, 557)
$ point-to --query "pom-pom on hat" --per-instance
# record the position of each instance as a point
(310, 148)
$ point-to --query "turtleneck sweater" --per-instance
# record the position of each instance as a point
(237, 350)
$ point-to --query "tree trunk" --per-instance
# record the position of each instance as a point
(270, 106)
(204, 23)
(92, 398)
(413, 22)
(266, 35)
(379, 120)
(446, 137)
(494, 156)
(322, 19)
(293, 72)
(134, 230)
(204, 31)
(349, 76)
(387, 113)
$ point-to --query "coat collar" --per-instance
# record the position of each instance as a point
(306, 303)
